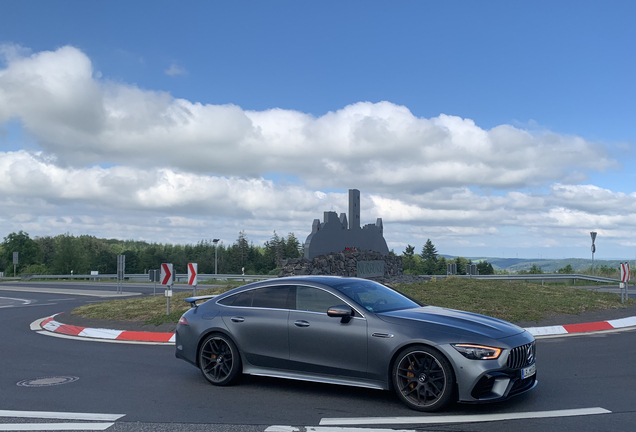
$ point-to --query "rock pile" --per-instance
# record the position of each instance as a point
(341, 264)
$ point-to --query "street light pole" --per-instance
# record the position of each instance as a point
(216, 246)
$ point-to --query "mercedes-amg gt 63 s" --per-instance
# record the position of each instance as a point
(356, 332)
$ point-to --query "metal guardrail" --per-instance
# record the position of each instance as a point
(541, 277)
(143, 277)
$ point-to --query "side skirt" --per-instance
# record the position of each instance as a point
(258, 371)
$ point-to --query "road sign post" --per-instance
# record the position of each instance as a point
(153, 276)
(593, 235)
(625, 273)
(192, 277)
(121, 272)
(167, 278)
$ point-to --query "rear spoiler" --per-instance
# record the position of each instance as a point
(193, 300)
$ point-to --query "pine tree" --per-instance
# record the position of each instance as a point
(429, 256)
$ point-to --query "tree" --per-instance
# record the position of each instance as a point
(442, 266)
(408, 260)
(29, 251)
(429, 251)
(485, 268)
(535, 270)
(566, 270)
(293, 248)
(69, 256)
(274, 250)
(429, 256)
(461, 265)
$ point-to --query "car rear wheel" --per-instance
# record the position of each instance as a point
(219, 360)
(423, 379)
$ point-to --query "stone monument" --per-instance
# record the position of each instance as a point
(337, 234)
(338, 246)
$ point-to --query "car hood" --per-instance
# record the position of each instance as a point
(453, 321)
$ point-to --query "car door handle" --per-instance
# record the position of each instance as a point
(237, 319)
(301, 323)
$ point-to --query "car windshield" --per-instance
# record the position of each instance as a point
(375, 297)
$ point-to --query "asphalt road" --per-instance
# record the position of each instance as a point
(155, 391)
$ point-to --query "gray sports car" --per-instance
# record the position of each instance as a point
(356, 332)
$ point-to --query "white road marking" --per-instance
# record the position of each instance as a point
(61, 415)
(330, 429)
(433, 419)
(92, 293)
(54, 426)
(25, 301)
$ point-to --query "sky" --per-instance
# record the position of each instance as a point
(493, 128)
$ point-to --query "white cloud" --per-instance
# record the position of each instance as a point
(119, 161)
(175, 70)
(82, 120)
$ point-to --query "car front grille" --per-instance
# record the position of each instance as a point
(522, 356)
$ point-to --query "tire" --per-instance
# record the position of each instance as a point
(423, 379)
(219, 360)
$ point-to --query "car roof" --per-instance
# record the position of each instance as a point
(316, 279)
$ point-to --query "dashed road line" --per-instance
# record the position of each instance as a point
(330, 429)
(92, 421)
(57, 415)
(54, 426)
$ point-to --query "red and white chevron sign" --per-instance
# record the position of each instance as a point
(166, 274)
(625, 272)
(192, 273)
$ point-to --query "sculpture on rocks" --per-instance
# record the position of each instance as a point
(337, 234)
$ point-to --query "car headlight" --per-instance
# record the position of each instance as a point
(477, 352)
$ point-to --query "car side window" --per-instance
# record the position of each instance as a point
(314, 299)
(274, 297)
(241, 299)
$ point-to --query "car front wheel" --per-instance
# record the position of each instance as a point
(423, 379)
(219, 360)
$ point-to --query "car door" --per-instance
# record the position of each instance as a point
(322, 344)
(258, 321)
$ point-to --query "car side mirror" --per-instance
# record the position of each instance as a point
(342, 311)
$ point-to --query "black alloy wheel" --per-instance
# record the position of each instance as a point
(219, 360)
(423, 378)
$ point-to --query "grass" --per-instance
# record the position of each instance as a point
(512, 300)
(509, 300)
(149, 310)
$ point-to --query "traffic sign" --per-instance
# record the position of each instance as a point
(167, 275)
(625, 272)
(15, 258)
(192, 273)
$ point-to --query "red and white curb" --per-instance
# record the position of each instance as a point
(583, 328)
(49, 324)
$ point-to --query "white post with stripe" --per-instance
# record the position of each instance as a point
(192, 277)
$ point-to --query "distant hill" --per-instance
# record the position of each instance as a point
(547, 265)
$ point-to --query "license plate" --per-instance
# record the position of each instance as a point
(529, 371)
